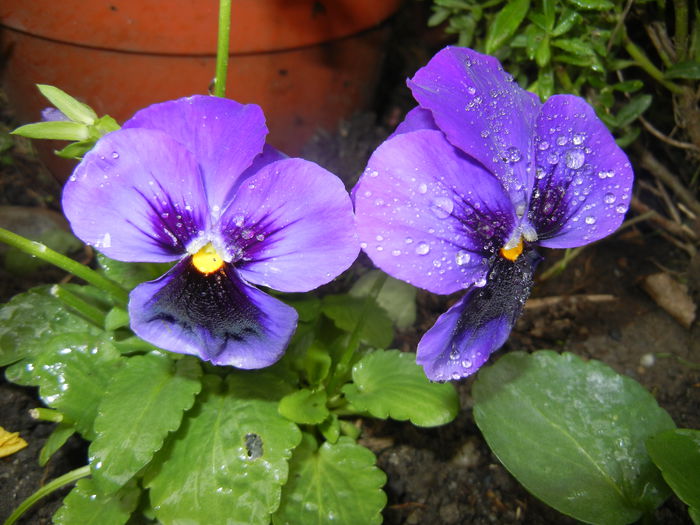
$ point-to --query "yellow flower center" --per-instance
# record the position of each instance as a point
(207, 260)
(512, 253)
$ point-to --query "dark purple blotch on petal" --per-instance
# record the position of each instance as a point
(211, 307)
(479, 324)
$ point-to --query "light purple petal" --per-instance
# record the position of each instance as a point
(217, 317)
(583, 180)
(464, 337)
(482, 112)
(417, 118)
(223, 135)
(137, 196)
(291, 227)
(427, 214)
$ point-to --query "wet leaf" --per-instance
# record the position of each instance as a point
(86, 505)
(347, 312)
(32, 318)
(573, 433)
(72, 374)
(304, 406)
(505, 24)
(391, 384)
(226, 463)
(677, 454)
(597, 5)
(398, 298)
(336, 483)
(142, 404)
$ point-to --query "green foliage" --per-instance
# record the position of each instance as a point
(677, 453)
(334, 483)
(581, 430)
(87, 505)
(390, 384)
(19, 263)
(144, 402)
(226, 463)
(396, 297)
(582, 47)
(374, 325)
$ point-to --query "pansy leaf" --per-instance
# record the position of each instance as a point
(72, 374)
(54, 130)
(633, 109)
(144, 401)
(573, 433)
(677, 454)
(348, 312)
(30, 319)
(226, 463)
(390, 384)
(335, 483)
(689, 70)
(129, 274)
(505, 24)
(304, 406)
(56, 440)
(69, 106)
(397, 297)
(85, 504)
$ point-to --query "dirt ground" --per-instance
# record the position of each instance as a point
(596, 308)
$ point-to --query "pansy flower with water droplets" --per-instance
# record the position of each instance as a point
(476, 177)
(191, 181)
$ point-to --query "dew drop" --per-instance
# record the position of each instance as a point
(422, 248)
(544, 145)
(462, 257)
(471, 90)
(395, 253)
(422, 188)
(589, 220)
(379, 238)
(408, 240)
(442, 207)
(115, 155)
(578, 139)
(562, 140)
(574, 159)
(512, 154)
(621, 208)
(467, 363)
(247, 234)
(540, 173)
(606, 174)
(609, 198)
(553, 157)
(260, 237)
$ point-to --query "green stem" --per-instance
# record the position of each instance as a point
(47, 489)
(46, 414)
(642, 61)
(343, 366)
(41, 251)
(87, 310)
(222, 48)
(680, 8)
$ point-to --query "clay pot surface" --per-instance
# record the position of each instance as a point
(308, 63)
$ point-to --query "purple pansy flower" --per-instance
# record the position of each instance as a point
(475, 177)
(192, 181)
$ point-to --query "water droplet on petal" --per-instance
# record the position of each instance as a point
(574, 158)
(422, 248)
(422, 187)
(247, 234)
(115, 155)
(395, 253)
(442, 207)
(609, 198)
(578, 139)
(621, 208)
(512, 154)
(408, 240)
(590, 219)
(606, 174)
(462, 257)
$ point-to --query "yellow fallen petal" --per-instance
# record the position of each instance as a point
(10, 442)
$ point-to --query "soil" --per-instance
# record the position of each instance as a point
(444, 475)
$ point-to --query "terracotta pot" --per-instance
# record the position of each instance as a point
(308, 63)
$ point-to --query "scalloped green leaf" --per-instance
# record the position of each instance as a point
(677, 454)
(143, 403)
(389, 383)
(72, 374)
(32, 318)
(86, 505)
(226, 463)
(573, 433)
(505, 24)
(346, 312)
(396, 297)
(336, 483)
(306, 407)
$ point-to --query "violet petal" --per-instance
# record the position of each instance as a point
(583, 179)
(217, 317)
(427, 214)
(137, 196)
(291, 227)
(464, 337)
